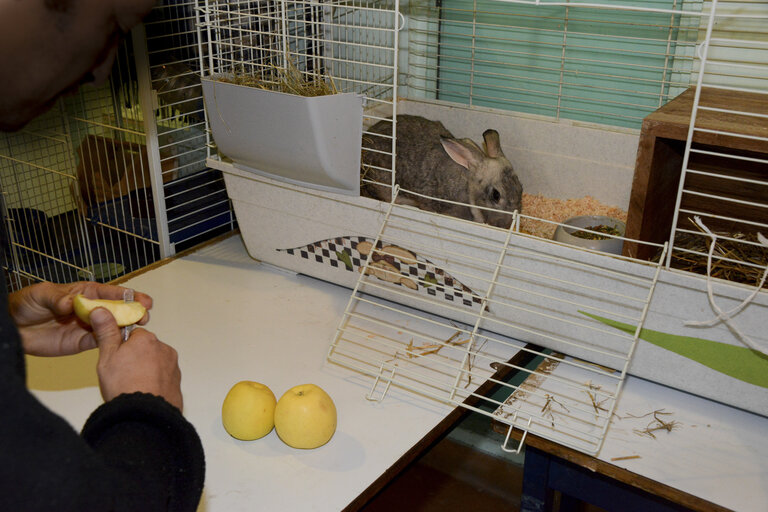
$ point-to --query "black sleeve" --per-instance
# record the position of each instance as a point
(136, 453)
(143, 437)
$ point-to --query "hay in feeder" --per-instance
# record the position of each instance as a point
(587, 234)
(289, 80)
(725, 258)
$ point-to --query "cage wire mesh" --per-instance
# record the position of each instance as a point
(610, 63)
(44, 239)
(196, 203)
(520, 288)
(348, 47)
(614, 64)
(722, 202)
(114, 177)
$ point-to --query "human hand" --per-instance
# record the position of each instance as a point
(45, 316)
(140, 364)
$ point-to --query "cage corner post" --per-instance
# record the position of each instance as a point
(147, 105)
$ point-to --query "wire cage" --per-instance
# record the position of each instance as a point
(520, 288)
(114, 178)
(721, 210)
(612, 64)
(304, 49)
(439, 303)
(617, 64)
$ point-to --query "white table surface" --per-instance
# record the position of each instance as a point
(715, 452)
(232, 318)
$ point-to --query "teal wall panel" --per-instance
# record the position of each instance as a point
(596, 65)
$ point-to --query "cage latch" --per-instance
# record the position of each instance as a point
(522, 439)
(370, 396)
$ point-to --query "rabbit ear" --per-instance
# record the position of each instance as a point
(464, 152)
(492, 143)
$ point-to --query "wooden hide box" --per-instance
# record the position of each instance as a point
(659, 164)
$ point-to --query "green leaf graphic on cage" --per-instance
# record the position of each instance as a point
(345, 258)
(390, 263)
(738, 362)
(429, 281)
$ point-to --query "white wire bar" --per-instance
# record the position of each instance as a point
(724, 182)
(413, 320)
(350, 46)
(196, 202)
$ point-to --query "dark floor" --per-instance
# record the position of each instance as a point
(453, 477)
(466, 471)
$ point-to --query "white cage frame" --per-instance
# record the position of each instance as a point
(439, 354)
(395, 344)
(115, 178)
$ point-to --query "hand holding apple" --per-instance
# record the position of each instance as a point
(142, 363)
(44, 314)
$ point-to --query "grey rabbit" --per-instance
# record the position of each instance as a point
(430, 161)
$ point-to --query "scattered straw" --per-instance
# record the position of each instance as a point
(626, 457)
(598, 405)
(470, 362)
(656, 425)
(547, 408)
(433, 348)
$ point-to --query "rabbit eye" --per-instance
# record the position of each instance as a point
(495, 195)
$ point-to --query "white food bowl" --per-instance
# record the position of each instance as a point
(564, 233)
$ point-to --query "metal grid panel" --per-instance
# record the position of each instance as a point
(114, 177)
(36, 172)
(351, 45)
(114, 171)
(725, 186)
(348, 43)
(521, 289)
(196, 203)
(615, 63)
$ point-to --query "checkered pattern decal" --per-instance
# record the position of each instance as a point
(342, 252)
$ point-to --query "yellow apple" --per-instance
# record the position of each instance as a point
(305, 417)
(125, 313)
(248, 411)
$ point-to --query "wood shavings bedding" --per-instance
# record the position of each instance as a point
(560, 210)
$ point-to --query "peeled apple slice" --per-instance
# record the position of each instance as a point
(125, 313)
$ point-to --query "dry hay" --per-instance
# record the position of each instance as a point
(724, 248)
(289, 80)
(560, 210)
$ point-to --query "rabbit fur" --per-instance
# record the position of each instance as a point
(430, 161)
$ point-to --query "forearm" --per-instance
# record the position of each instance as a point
(135, 453)
(148, 440)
